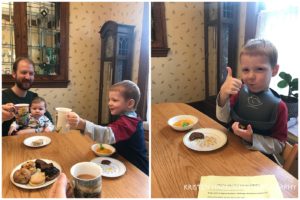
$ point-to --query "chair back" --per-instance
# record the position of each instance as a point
(289, 154)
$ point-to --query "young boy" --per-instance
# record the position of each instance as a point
(38, 122)
(126, 133)
(257, 113)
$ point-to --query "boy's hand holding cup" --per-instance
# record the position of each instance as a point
(230, 86)
(75, 121)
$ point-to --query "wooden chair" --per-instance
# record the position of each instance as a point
(289, 154)
(146, 132)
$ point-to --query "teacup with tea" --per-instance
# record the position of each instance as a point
(87, 180)
(22, 114)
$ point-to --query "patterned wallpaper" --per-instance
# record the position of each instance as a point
(82, 95)
(180, 76)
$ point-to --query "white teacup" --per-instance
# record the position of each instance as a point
(87, 180)
(62, 125)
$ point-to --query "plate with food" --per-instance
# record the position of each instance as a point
(205, 139)
(103, 149)
(182, 122)
(33, 174)
(110, 166)
(37, 141)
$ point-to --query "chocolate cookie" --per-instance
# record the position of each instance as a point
(196, 135)
(105, 162)
(241, 126)
(51, 173)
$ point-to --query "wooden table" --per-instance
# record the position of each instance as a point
(176, 170)
(66, 149)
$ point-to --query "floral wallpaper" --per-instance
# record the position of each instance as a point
(180, 77)
(86, 19)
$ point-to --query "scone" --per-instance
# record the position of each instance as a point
(30, 165)
(37, 179)
(22, 176)
(38, 142)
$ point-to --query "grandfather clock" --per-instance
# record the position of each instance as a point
(116, 61)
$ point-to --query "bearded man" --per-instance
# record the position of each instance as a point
(23, 73)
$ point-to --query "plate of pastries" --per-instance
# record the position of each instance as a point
(37, 173)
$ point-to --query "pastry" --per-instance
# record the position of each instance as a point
(30, 165)
(42, 164)
(196, 135)
(51, 173)
(38, 142)
(22, 176)
(37, 179)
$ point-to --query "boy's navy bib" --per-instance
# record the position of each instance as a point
(257, 109)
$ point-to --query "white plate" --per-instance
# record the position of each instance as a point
(172, 120)
(213, 139)
(27, 186)
(28, 141)
(114, 169)
(107, 146)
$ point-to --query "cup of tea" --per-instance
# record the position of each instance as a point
(62, 125)
(22, 114)
(87, 180)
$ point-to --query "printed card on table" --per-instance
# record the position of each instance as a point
(265, 186)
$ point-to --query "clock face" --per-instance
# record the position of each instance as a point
(109, 47)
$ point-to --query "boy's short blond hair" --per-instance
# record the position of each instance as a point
(129, 90)
(262, 47)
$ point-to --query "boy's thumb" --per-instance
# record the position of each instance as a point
(229, 72)
(249, 128)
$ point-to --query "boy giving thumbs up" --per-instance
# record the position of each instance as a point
(255, 112)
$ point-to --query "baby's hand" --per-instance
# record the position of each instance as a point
(46, 129)
(12, 130)
(231, 85)
(246, 134)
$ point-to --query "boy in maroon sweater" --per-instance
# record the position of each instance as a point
(126, 133)
(257, 113)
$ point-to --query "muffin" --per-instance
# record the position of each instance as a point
(30, 165)
(22, 176)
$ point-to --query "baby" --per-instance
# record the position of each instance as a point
(126, 133)
(38, 122)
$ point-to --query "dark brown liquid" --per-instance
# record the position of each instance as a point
(86, 176)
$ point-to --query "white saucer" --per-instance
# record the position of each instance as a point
(28, 141)
(217, 137)
(115, 169)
